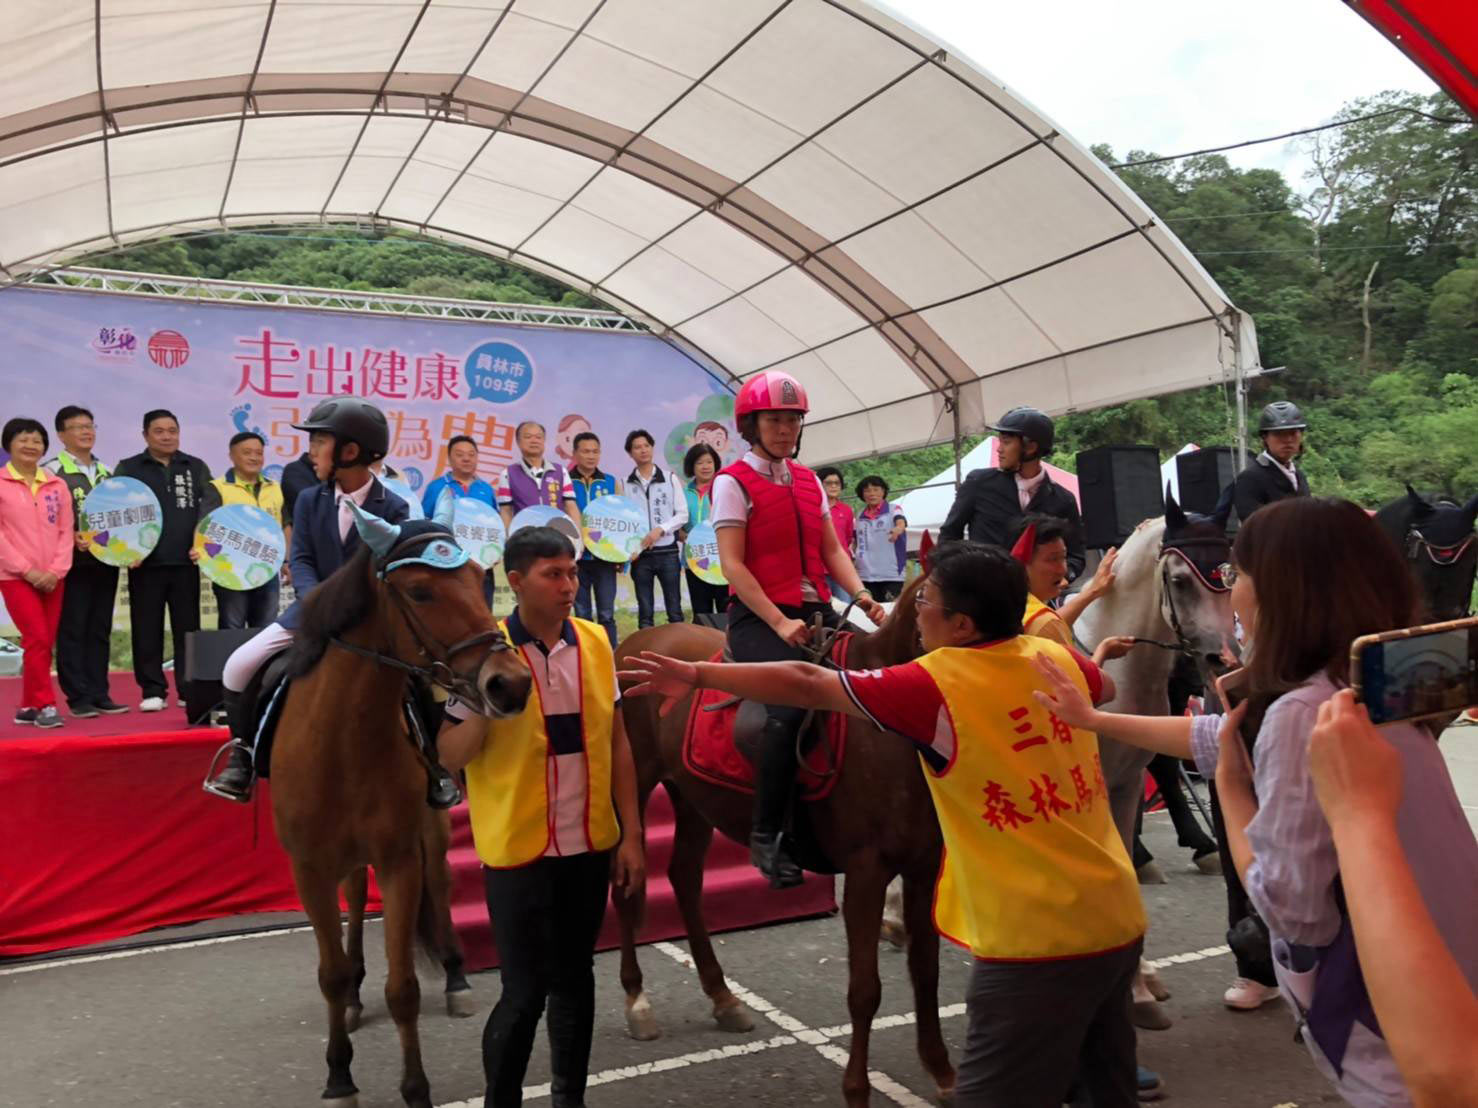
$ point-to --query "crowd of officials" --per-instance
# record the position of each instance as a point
(61, 597)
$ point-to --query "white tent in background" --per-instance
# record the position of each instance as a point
(1169, 474)
(927, 506)
(816, 186)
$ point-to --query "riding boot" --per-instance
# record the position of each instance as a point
(236, 780)
(442, 790)
(774, 780)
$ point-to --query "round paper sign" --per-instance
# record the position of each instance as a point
(122, 521)
(702, 555)
(479, 530)
(402, 490)
(614, 527)
(542, 515)
(240, 547)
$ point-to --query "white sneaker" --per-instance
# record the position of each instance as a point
(151, 704)
(1245, 995)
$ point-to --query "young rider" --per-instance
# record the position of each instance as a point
(777, 546)
(346, 436)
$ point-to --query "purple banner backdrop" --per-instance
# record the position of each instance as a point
(223, 368)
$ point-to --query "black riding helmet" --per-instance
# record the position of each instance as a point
(1281, 415)
(349, 419)
(1029, 423)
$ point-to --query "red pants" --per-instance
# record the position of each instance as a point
(35, 615)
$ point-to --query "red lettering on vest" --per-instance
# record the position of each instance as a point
(782, 541)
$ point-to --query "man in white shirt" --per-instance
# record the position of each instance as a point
(660, 497)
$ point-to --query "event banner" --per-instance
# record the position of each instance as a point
(223, 368)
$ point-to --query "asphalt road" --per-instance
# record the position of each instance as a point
(237, 1022)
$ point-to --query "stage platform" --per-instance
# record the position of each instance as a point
(107, 833)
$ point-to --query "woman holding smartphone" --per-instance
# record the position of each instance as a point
(1309, 577)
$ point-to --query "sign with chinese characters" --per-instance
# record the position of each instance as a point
(122, 521)
(614, 528)
(479, 530)
(402, 490)
(701, 551)
(227, 368)
(542, 515)
(240, 547)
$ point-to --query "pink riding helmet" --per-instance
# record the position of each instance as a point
(771, 391)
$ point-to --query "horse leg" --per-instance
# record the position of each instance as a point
(923, 970)
(320, 899)
(641, 1023)
(894, 929)
(692, 836)
(436, 835)
(356, 894)
(400, 889)
(862, 909)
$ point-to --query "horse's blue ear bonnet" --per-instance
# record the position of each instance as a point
(394, 545)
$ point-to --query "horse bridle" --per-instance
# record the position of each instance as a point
(1440, 555)
(1182, 643)
(439, 670)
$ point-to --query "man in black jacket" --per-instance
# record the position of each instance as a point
(167, 577)
(991, 501)
(1273, 475)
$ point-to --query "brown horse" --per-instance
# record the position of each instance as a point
(876, 823)
(348, 782)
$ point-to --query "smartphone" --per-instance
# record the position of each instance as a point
(1232, 688)
(1417, 672)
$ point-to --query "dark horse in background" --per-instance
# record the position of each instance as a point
(1437, 539)
(876, 823)
(348, 781)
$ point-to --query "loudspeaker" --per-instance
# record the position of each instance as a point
(1204, 475)
(1119, 488)
(205, 658)
(719, 621)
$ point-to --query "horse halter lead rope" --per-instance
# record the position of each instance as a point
(439, 671)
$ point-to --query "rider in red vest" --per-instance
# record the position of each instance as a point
(777, 545)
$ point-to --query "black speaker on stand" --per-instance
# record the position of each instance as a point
(205, 659)
(1119, 488)
(1203, 476)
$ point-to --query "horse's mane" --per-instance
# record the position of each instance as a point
(336, 605)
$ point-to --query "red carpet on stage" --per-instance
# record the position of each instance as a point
(105, 832)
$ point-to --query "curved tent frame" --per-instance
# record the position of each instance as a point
(811, 185)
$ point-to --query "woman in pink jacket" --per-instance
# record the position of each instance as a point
(35, 554)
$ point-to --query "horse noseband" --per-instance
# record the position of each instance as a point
(1440, 555)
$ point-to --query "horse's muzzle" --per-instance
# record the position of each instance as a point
(504, 685)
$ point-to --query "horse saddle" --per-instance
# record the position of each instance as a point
(722, 740)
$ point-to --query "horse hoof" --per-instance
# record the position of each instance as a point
(1156, 987)
(895, 934)
(946, 1094)
(1149, 1016)
(735, 1017)
(461, 1004)
(350, 1101)
(353, 1017)
(641, 1021)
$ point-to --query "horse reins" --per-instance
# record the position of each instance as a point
(439, 671)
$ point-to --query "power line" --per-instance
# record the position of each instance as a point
(1329, 249)
(1290, 134)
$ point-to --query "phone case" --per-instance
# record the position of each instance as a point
(1357, 648)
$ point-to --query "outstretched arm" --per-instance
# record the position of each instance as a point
(1162, 734)
(797, 684)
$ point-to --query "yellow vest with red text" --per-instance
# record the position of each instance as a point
(1034, 868)
(508, 781)
(1044, 622)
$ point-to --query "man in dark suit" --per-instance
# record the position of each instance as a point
(1273, 475)
(346, 436)
(992, 501)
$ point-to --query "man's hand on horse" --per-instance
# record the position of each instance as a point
(872, 609)
(658, 675)
(1115, 646)
(1065, 700)
(1103, 576)
(629, 865)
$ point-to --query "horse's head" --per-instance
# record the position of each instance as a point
(437, 616)
(1438, 541)
(1194, 599)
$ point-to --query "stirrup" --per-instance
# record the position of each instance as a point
(209, 784)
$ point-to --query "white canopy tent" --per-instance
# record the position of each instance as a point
(813, 185)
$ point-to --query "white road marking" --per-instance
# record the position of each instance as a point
(1193, 956)
(162, 948)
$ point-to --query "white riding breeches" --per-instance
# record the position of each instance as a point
(251, 655)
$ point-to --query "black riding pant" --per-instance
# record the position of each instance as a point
(752, 640)
(546, 917)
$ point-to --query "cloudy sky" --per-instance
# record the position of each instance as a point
(1176, 75)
